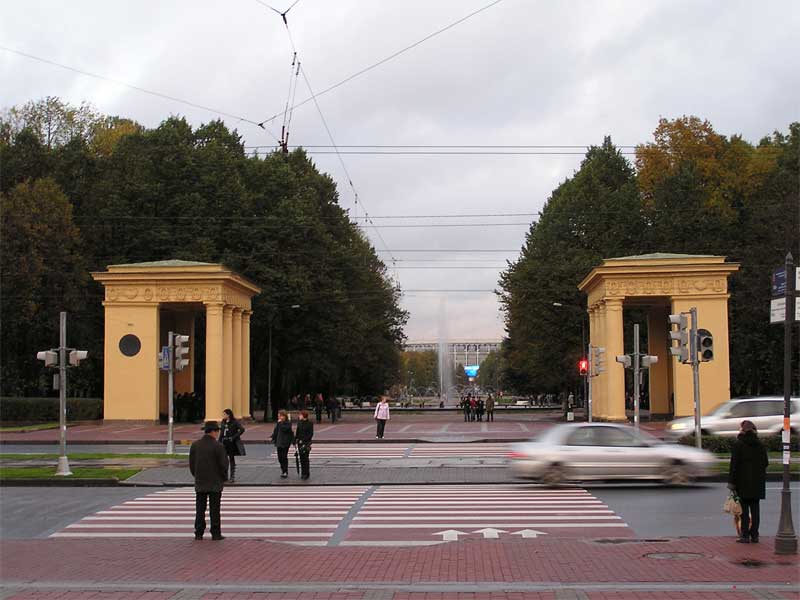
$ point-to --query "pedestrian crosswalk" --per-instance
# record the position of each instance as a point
(307, 517)
(426, 515)
(364, 515)
(392, 450)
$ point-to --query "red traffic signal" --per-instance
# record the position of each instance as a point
(583, 367)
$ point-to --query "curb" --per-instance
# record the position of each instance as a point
(113, 482)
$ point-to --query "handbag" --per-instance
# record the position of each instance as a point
(732, 505)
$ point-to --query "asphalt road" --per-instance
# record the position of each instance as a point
(650, 511)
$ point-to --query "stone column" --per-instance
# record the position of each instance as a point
(246, 362)
(657, 345)
(600, 391)
(236, 371)
(615, 372)
(227, 356)
(214, 360)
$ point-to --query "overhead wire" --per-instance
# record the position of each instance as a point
(138, 88)
(307, 81)
(385, 59)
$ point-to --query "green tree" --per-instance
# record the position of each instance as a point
(593, 215)
(43, 274)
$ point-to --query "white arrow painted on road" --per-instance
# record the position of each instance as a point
(528, 533)
(451, 535)
(490, 532)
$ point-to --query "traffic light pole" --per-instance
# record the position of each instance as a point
(63, 461)
(636, 362)
(589, 385)
(170, 392)
(785, 539)
(695, 376)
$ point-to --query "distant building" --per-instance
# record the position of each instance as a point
(464, 353)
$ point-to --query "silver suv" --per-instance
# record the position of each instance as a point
(766, 412)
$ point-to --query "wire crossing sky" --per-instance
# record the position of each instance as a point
(438, 110)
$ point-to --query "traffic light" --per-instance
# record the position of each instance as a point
(624, 360)
(583, 367)
(50, 357)
(648, 361)
(599, 360)
(76, 356)
(181, 345)
(680, 335)
(705, 345)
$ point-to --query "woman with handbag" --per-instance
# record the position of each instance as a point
(747, 478)
(303, 436)
(231, 438)
(282, 437)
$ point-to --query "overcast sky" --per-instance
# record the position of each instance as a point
(521, 72)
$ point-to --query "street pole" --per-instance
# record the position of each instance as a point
(636, 376)
(170, 392)
(695, 376)
(589, 385)
(785, 539)
(63, 462)
(268, 408)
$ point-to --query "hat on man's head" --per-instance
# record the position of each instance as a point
(210, 426)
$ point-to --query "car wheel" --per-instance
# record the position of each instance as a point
(677, 474)
(553, 476)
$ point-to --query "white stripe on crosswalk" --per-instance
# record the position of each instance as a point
(490, 524)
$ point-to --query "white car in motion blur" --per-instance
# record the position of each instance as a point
(766, 413)
(607, 452)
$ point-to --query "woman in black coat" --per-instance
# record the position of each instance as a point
(747, 478)
(303, 435)
(231, 438)
(282, 437)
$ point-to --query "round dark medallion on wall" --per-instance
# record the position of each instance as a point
(130, 345)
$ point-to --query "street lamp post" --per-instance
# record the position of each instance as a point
(268, 407)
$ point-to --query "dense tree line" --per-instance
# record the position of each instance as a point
(690, 191)
(82, 190)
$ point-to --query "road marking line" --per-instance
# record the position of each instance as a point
(445, 525)
(234, 526)
(269, 534)
(489, 516)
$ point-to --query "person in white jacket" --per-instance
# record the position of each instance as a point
(381, 416)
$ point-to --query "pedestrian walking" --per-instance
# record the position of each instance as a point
(335, 410)
(231, 437)
(481, 407)
(319, 404)
(490, 408)
(282, 437)
(473, 408)
(465, 407)
(303, 435)
(208, 464)
(747, 478)
(381, 416)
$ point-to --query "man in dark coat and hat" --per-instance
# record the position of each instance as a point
(747, 478)
(208, 462)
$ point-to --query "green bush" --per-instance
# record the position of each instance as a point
(41, 410)
(722, 445)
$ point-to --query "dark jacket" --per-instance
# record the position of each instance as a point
(748, 470)
(209, 464)
(231, 437)
(282, 435)
(305, 431)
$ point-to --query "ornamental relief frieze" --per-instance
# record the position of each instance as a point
(163, 293)
(666, 286)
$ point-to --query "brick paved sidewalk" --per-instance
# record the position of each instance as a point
(354, 427)
(683, 564)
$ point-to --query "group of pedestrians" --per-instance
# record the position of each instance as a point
(330, 406)
(475, 408)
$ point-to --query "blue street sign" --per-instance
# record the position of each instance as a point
(778, 282)
(163, 359)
